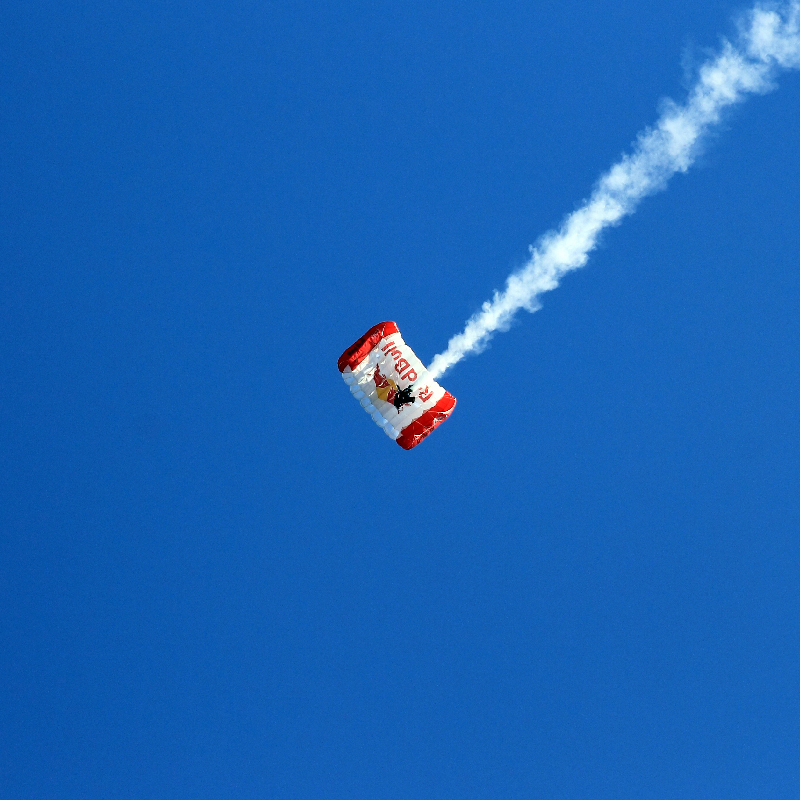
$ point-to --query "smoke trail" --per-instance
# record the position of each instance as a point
(768, 42)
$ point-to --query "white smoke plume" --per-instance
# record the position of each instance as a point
(768, 42)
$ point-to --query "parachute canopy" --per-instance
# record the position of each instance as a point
(393, 386)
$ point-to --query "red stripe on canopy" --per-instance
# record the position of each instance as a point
(417, 430)
(358, 351)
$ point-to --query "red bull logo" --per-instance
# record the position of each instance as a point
(387, 390)
(403, 367)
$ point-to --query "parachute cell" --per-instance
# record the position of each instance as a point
(393, 385)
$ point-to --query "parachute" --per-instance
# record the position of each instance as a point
(393, 386)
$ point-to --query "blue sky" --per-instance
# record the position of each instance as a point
(220, 580)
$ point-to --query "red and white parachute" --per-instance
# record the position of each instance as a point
(393, 386)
